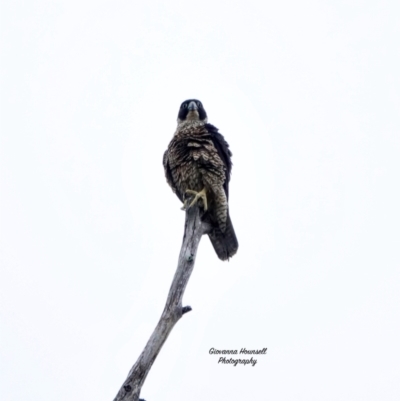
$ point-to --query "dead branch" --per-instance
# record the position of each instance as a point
(173, 311)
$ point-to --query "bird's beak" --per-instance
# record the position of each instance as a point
(192, 106)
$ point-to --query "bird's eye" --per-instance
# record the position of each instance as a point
(198, 104)
(184, 105)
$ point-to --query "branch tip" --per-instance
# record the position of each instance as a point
(186, 309)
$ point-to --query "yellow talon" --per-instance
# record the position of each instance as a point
(202, 194)
(184, 205)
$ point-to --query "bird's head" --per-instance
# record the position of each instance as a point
(192, 110)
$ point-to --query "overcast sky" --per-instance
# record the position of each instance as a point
(308, 96)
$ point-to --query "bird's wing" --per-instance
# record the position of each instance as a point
(224, 153)
(168, 175)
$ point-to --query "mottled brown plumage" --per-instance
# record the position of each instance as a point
(198, 161)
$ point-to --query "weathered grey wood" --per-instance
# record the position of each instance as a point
(173, 311)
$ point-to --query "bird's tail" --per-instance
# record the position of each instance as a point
(225, 243)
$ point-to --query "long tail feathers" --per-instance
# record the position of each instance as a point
(225, 243)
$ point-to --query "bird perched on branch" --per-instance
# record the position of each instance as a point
(198, 167)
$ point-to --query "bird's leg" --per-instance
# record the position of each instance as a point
(202, 194)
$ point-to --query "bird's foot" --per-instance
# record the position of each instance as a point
(202, 194)
(184, 207)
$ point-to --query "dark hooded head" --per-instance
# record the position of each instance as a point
(193, 110)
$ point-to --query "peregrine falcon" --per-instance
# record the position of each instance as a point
(198, 165)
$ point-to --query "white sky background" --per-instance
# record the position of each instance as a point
(307, 95)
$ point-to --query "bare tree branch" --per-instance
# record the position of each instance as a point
(173, 311)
